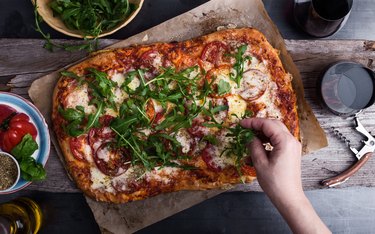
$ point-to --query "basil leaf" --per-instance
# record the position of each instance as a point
(223, 87)
(30, 169)
(25, 148)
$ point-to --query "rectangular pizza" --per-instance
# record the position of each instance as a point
(149, 119)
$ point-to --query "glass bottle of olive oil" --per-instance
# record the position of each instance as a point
(20, 216)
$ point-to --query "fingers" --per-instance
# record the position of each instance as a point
(275, 130)
(257, 153)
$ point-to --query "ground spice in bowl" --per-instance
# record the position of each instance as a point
(8, 171)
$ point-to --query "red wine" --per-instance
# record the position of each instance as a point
(322, 18)
(331, 9)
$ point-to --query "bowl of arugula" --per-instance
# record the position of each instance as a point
(24, 135)
(87, 18)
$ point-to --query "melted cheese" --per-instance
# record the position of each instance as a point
(237, 107)
(119, 78)
(133, 173)
(183, 137)
(157, 106)
(157, 61)
(100, 181)
(134, 84)
(222, 161)
(163, 175)
(88, 152)
(271, 110)
(80, 97)
(103, 154)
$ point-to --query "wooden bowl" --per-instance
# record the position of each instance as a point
(55, 22)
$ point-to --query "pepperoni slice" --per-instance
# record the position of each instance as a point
(98, 136)
(208, 155)
(110, 160)
(214, 52)
(128, 185)
(197, 129)
(78, 147)
(153, 60)
(106, 120)
(253, 85)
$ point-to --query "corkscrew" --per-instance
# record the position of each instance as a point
(363, 154)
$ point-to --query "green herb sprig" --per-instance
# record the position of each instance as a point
(240, 137)
(90, 17)
(239, 64)
(89, 46)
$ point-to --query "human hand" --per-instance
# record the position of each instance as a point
(279, 170)
(279, 175)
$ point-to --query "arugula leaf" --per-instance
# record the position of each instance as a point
(25, 148)
(239, 64)
(92, 17)
(240, 137)
(223, 87)
(71, 114)
(30, 169)
(93, 119)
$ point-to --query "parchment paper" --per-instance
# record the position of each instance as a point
(204, 19)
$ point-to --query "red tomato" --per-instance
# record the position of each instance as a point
(12, 134)
(5, 112)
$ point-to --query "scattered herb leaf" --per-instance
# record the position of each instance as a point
(30, 169)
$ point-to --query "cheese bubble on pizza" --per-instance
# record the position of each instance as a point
(149, 119)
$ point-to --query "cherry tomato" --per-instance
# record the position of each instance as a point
(5, 112)
(12, 134)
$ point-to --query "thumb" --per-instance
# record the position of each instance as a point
(257, 153)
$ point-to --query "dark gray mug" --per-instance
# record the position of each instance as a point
(322, 18)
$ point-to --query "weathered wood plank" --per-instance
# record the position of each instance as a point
(20, 56)
(310, 57)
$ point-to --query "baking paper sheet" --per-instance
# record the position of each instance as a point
(207, 18)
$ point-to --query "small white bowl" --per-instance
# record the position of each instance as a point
(10, 189)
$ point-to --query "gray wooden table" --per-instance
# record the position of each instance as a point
(24, 60)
